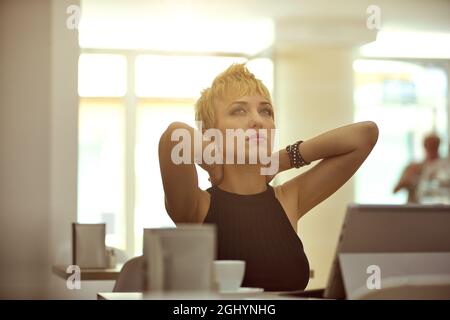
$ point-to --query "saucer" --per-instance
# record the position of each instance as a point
(243, 291)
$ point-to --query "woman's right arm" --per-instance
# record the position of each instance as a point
(180, 181)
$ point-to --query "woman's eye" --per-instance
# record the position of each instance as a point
(267, 111)
(238, 111)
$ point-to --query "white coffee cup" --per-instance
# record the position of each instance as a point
(228, 274)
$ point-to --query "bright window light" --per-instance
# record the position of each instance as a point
(408, 45)
(262, 68)
(185, 77)
(178, 77)
(101, 167)
(102, 75)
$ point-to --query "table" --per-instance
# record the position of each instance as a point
(99, 274)
(88, 273)
(198, 296)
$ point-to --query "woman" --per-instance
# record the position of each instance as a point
(255, 221)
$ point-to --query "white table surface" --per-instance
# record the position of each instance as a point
(195, 296)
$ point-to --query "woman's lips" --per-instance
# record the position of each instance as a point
(258, 139)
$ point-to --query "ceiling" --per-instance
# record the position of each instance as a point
(250, 26)
(399, 15)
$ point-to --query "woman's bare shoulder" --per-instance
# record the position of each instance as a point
(288, 202)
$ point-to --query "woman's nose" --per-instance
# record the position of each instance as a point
(255, 121)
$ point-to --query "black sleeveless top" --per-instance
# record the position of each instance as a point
(256, 229)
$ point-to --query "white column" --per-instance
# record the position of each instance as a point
(314, 94)
(65, 52)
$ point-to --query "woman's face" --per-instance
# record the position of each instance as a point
(248, 112)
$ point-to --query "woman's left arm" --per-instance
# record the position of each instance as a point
(343, 151)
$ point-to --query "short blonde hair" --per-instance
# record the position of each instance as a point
(236, 81)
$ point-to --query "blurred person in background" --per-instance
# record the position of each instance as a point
(411, 174)
(434, 183)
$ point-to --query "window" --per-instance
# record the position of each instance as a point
(102, 75)
(128, 98)
(177, 77)
(101, 172)
(407, 100)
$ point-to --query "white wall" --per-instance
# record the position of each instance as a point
(25, 114)
(38, 149)
(63, 139)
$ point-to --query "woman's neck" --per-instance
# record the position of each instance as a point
(243, 179)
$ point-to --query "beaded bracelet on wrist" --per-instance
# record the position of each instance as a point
(295, 157)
